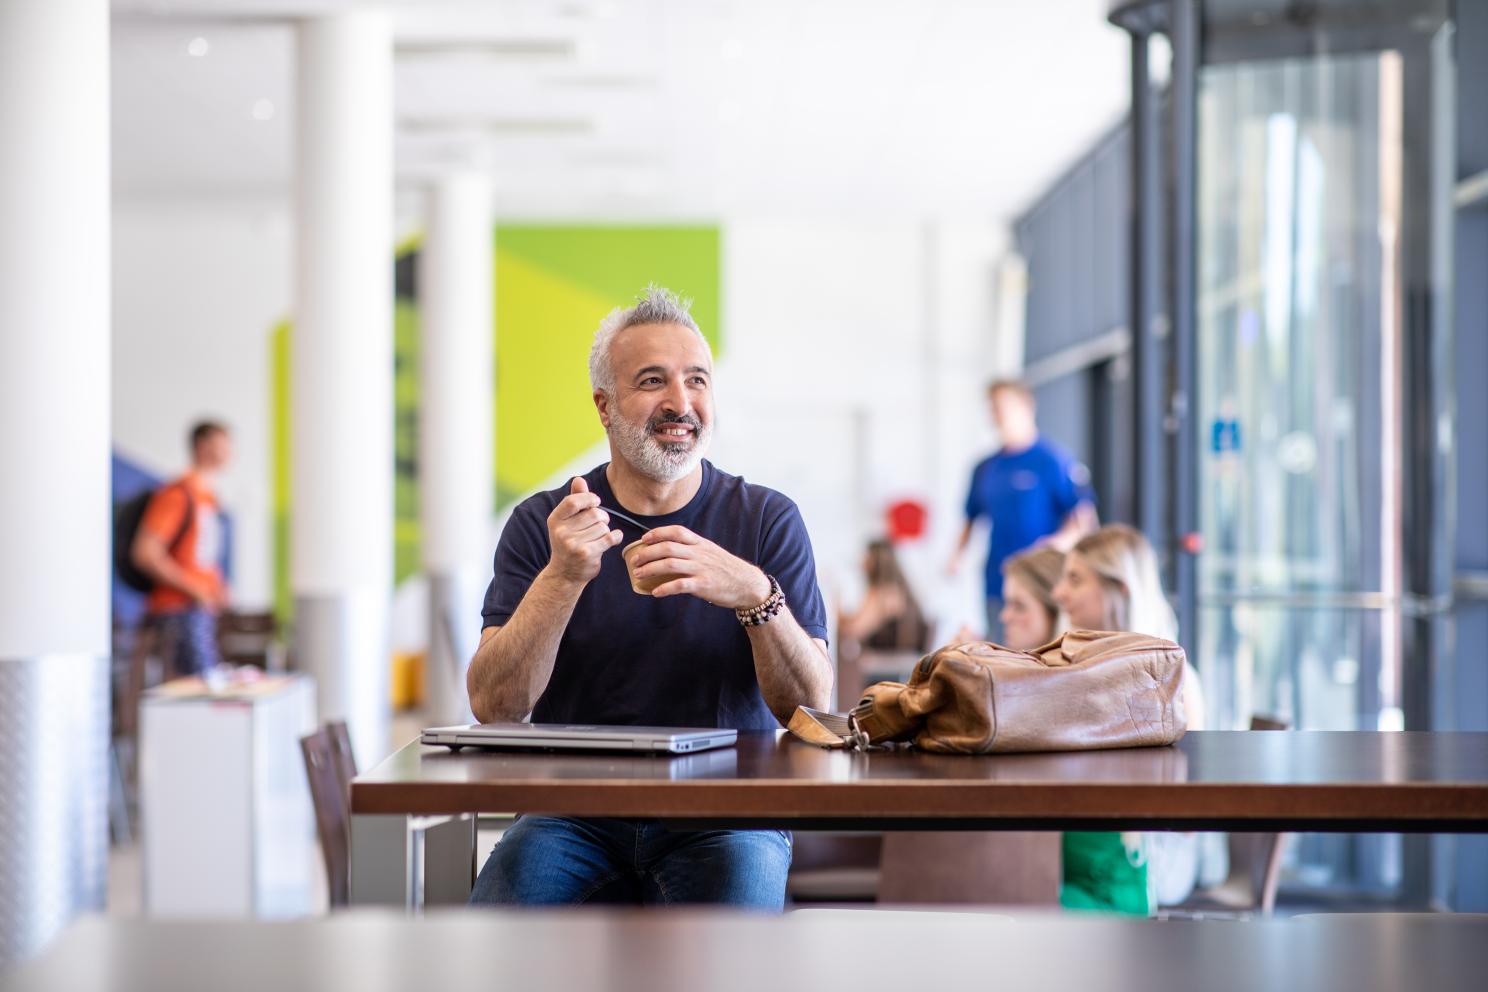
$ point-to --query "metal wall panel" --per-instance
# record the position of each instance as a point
(54, 737)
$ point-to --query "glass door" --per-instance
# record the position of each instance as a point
(1320, 384)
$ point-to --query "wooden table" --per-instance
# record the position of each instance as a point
(1212, 780)
(678, 951)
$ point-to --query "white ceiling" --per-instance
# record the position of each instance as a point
(613, 108)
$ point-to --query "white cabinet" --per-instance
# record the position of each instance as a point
(227, 824)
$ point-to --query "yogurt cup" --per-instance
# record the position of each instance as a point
(642, 586)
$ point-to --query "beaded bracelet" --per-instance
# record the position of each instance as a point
(766, 611)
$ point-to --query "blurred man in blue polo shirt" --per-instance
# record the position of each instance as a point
(1031, 491)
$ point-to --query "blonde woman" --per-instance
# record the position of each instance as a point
(1111, 582)
(1030, 616)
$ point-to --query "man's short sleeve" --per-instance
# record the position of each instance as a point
(520, 554)
(165, 513)
(974, 505)
(786, 554)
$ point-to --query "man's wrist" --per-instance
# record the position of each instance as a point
(764, 611)
(759, 590)
(560, 583)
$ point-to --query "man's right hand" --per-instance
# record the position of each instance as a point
(206, 595)
(579, 532)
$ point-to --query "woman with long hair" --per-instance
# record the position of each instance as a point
(1030, 617)
(889, 617)
(1111, 582)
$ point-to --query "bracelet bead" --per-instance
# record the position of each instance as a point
(754, 616)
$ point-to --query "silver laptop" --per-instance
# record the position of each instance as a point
(580, 737)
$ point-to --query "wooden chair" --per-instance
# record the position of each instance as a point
(246, 638)
(1259, 722)
(831, 867)
(344, 756)
(145, 643)
(330, 767)
(1004, 868)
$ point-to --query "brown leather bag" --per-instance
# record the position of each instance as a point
(1086, 690)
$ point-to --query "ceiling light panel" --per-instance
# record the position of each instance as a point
(519, 49)
(500, 126)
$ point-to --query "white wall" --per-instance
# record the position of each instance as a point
(198, 285)
(853, 371)
(855, 357)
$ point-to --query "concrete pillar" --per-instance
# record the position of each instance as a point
(342, 372)
(54, 455)
(456, 430)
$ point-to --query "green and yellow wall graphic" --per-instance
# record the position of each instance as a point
(553, 285)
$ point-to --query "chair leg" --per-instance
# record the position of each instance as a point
(1272, 876)
(120, 826)
(134, 688)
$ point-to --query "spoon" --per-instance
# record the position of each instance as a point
(626, 517)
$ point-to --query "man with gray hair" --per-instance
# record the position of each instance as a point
(730, 632)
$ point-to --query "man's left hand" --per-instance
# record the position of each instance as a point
(703, 568)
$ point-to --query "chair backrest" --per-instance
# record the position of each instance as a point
(345, 758)
(246, 638)
(987, 868)
(328, 792)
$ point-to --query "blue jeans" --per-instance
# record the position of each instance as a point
(553, 861)
(188, 641)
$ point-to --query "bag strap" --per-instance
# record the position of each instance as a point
(187, 519)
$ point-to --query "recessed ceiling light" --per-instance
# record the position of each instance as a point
(197, 47)
(263, 109)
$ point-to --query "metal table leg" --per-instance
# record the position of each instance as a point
(381, 861)
(448, 861)
(412, 861)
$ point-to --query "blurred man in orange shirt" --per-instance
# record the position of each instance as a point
(179, 545)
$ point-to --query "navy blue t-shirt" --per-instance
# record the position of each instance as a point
(678, 661)
(1026, 495)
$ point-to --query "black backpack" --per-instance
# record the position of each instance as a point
(128, 516)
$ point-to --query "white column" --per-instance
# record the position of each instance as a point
(456, 430)
(54, 457)
(342, 372)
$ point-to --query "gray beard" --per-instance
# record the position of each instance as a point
(650, 457)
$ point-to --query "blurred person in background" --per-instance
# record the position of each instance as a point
(179, 545)
(1111, 582)
(1030, 490)
(889, 617)
(1030, 616)
(888, 623)
(1099, 870)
